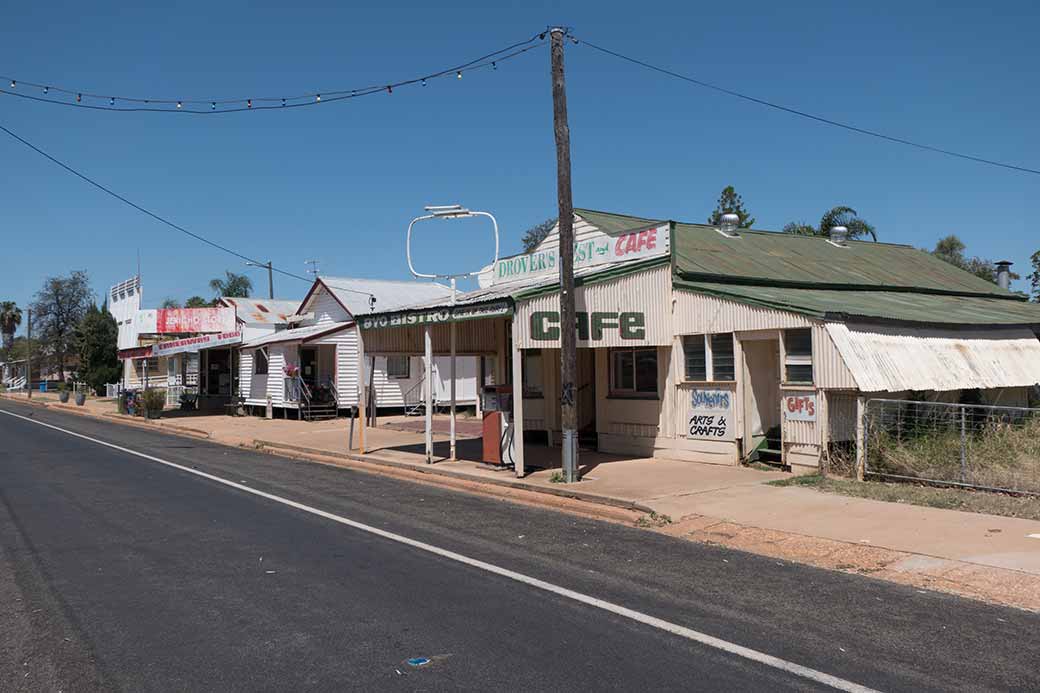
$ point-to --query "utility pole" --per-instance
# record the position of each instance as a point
(568, 319)
(270, 275)
(28, 353)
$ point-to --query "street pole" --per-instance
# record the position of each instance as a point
(568, 319)
(270, 280)
(452, 369)
(28, 353)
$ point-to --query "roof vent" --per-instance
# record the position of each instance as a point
(728, 225)
(1004, 273)
(839, 236)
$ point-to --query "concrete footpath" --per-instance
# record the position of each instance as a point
(988, 557)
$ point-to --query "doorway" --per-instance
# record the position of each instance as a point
(762, 438)
(309, 366)
(586, 399)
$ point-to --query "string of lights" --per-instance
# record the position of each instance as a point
(77, 98)
(162, 219)
(804, 114)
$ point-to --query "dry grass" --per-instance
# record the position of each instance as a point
(999, 455)
(1027, 507)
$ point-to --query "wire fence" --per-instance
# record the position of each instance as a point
(976, 446)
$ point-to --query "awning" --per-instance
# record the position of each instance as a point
(300, 334)
(895, 359)
(193, 344)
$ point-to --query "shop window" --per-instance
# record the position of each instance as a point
(260, 363)
(722, 364)
(532, 366)
(709, 357)
(633, 372)
(398, 367)
(798, 356)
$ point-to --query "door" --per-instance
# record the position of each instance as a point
(586, 377)
(309, 366)
(761, 393)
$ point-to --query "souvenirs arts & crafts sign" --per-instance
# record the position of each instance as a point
(710, 416)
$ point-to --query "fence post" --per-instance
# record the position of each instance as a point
(861, 438)
(964, 445)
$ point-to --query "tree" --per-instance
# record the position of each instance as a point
(1034, 276)
(730, 202)
(97, 342)
(835, 216)
(58, 309)
(10, 319)
(536, 234)
(232, 285)
(170, 303)
(197, 302)
(951, 249)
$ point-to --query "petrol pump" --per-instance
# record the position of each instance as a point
(497, 428)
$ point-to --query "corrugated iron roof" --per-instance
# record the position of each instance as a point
(301, 334)
(261, 311)
(903, 306)
(897, 359)
(354, 292)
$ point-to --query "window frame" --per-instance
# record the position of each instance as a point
(706, 340)
(257, 355)
(799, 359)
(407, 367)
(617, 392)
(532, 390)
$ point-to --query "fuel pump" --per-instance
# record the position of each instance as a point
(497, 429)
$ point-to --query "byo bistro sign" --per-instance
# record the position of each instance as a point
(438, 315)
(601, 250)
(710, 415)
(545, 325)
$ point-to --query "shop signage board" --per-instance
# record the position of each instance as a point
(192, 344)
(184, 320)
(602, 249)
(545, 325)
(799, 406)
(710, 415)
(438, 315)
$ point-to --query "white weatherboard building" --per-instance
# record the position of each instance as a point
(709, 346)
(318, 358)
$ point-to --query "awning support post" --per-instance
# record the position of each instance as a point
(452, 373)
(362, 394)
(518, 404)
(428, 378)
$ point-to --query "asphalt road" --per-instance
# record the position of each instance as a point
(121, 573)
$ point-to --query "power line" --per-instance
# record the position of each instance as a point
(162, 219)
(103, 102)
(804, 114)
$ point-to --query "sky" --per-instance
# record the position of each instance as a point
(339, 182)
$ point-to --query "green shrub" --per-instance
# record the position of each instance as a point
(154, 402)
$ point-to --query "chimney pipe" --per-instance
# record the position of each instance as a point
(1004, 274)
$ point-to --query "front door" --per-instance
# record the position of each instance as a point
(309, 366)
(761, 396)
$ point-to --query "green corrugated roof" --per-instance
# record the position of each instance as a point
(902, 306)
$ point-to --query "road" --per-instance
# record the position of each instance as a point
(124, 573)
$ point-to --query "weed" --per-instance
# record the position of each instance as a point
(556, 478)
(653, 520)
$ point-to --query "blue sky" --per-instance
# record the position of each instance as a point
(340, 181)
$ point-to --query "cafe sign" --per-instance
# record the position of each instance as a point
(438, 315)
(710, 415)
(602, 249)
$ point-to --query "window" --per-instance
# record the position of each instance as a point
(798, 361)
(260, 362)
(532, 366)
(709, 357)
(722, 357)
(398, 367)
(633, 372)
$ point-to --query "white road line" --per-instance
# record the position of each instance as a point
(638, 616)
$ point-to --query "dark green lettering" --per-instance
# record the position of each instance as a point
(601, 321)
(582, 319)
(633, 326)
(545, 325)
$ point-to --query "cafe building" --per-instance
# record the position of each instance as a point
(721, 345)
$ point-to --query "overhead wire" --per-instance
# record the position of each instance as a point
(214, 106)
(804, 114)
(160, 218)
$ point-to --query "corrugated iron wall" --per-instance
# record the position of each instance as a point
(829, 369)
(647, 292)
(699, 313)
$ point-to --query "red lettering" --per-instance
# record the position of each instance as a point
(642, 240)
(618, 250)
(791, 404)
(630, 245)
(651, 239)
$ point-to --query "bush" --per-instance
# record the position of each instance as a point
(154, 402)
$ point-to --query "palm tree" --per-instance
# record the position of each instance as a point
(233, 285)
(836, 216)
(10, 319)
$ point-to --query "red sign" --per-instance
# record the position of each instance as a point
(800, 407)
(636, 243)
(188, 320)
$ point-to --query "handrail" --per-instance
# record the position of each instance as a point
(412, 389)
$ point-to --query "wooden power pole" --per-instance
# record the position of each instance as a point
(568, 319)
(28, 353)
